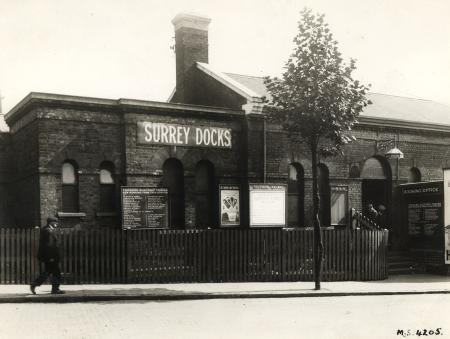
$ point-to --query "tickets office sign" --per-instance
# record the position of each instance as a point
(182, 135)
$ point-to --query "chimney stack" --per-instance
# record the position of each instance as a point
(191, 46)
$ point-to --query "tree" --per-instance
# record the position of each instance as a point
(316, 101)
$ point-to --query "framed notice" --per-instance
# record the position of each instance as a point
(447, 215)
(230, 205)
(267, 205)
(144, 208)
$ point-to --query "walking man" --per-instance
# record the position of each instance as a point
(48, 254)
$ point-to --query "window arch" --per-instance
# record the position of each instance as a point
(205, 194)
(414, 175)
(107, 187)
(69, 179)
(354, 172)
(173, 179)
(324, 194)
(296, 195)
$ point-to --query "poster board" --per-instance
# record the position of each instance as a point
(144, 208)
(447, 215)
(424, 214)
(267, 205)
(230, 209)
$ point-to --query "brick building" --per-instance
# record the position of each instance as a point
(69, 155)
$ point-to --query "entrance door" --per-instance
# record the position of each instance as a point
(376, 186)
(375, 192)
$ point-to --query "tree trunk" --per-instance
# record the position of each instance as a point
(318, 245)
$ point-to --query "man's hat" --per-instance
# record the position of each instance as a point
(51, 219)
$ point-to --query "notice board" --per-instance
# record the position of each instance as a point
(447, 215)
(424, 214)
(144, 208)
(267, 205)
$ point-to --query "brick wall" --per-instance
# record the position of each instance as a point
(204, 90)
(88, 138)
(47, 136)
(144, 163)
(25, 179)
(6, 171)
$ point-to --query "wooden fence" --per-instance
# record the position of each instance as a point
(171, 256)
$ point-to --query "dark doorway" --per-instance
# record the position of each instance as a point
(173, 179)
(205, 195)
(376, 186)
(323, 180)
(296, 195)
(375, 192)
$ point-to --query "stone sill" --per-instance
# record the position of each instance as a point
(106, 214)
(71, 214)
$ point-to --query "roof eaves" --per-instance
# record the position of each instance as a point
(407, 124)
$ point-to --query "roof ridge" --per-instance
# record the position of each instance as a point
(245, 75)
(404, 97)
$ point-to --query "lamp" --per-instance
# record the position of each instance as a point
(394, 153)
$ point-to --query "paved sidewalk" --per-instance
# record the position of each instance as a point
(403, 284)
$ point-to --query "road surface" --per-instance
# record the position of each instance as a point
(317, 317)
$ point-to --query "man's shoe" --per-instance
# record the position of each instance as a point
(58, 292)
(33, 289)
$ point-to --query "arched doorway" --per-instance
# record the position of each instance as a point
(376, 184)
(296, 195)
(205, 195)
(323, 179)
(173, 179)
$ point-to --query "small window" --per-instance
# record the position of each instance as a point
(107, 187)
(414, 175)
(339, 205)
(70, 187)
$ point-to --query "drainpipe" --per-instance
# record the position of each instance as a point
(265, 149)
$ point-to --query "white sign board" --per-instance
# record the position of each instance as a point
(267, 205)
(447, 215)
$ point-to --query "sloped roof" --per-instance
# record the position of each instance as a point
(384, 106)
(252, 82)
(3, 126)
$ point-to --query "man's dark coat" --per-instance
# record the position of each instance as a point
(48, 245)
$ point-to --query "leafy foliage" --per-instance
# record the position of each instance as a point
(317, 99)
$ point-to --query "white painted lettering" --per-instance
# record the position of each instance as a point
(227, 136)
(220, 137)
(148, 131)
(206, 137)
(213, 139)
(179, 133)
(156, 132)
(172, 134)
(198, 136)
(164, 132)
(186, 134)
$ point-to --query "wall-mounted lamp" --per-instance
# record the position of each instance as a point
(394, 153)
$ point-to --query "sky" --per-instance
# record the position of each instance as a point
(122, 48)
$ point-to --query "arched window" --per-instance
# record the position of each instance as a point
(173, 179)
(205, 195)
(70, 187)
(107, 187)
(296, 195)
(324, 195)
(354, 172)
(414, 175)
